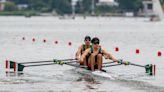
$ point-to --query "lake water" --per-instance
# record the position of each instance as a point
(128, 34)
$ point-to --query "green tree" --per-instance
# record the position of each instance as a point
(36, 5)
(21, 1)
(162, 2)
(10, 6)
(61, 6)
(130, 5)
(105, 9)
(87, 5)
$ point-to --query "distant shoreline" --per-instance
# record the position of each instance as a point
(34, 13)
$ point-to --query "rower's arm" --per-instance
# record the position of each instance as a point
(78, 53)
(86, 52)
(109, 55)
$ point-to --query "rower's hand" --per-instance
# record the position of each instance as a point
(81, 60)
(116, 60)
(105, 57)
(78, 59)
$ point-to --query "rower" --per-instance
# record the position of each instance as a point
(96, 55)
(81, 49)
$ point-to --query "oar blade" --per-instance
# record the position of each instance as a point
(11, 64)
(150, 69)
(20, 67)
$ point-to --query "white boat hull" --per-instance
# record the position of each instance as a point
(101, 74)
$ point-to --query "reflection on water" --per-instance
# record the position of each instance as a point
(13, 74)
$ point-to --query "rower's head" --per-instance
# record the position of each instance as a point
(95, 42)
(87, 40)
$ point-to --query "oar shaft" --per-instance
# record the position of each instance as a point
(37, 62)
(39, 65)
(46, 61)
(123, 63)
(74, 65)
(129, 63)
(111, 65)
(137, 65)
(49, 64)
(109, 62)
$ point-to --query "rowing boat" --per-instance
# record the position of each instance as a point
(150, 69)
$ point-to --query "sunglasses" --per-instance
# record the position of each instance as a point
(87, 40)
(96, 43)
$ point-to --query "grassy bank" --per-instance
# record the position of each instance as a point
(18, 13)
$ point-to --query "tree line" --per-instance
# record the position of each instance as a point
(82, 6)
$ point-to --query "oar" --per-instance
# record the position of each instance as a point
(46, 61)
(111, 65)
(109, 62)
(129, 63)
(12, 62)
(21, 66)
(148, 68)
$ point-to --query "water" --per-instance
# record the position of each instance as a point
(128, 34)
